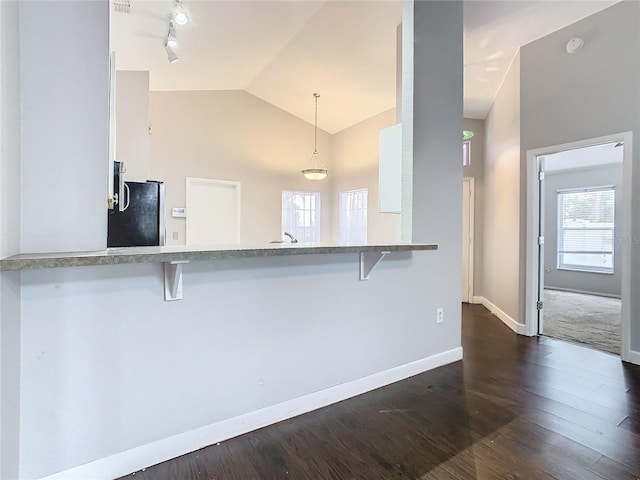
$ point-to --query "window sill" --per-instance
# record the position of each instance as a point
(584, 270)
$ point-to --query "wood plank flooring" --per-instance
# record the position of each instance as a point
(515, 408)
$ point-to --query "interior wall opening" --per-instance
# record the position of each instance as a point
(580, 220)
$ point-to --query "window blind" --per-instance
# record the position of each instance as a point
(586, 229)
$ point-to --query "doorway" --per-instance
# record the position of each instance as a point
(582, 203)
(213, 212)
(468, 185)
(578, 198)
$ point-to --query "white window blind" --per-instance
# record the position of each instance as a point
(353, 217)
(301, 215)
(585, 229)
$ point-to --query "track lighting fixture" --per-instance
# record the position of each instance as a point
(179, 14)
(172, 39)
(172, 56)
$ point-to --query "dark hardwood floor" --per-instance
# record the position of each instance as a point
(515, 408)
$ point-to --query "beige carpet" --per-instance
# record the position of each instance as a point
(587, 319)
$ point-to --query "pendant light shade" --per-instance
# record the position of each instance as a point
(315, 170)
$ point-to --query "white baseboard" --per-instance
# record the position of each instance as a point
(519, 328)
(144, 456)
(633, 357)
(586, 292)
(476, 300)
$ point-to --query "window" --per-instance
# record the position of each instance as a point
(301, 215)
(585, 229)
(466, 153)
(353, 217)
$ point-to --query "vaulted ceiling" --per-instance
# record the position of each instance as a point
(284, 51)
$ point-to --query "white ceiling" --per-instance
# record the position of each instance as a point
(284, 51)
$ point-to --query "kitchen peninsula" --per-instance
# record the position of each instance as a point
(100, 376)
(174, 257)
(115, 256)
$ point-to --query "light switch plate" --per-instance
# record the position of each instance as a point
(179, 212)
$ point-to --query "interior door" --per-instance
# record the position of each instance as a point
(213, 212)
(541, 216)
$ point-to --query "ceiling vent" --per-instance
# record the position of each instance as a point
(122, 6)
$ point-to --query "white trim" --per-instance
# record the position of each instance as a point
(626, 353)
(477, 300)
(585, 292)
(532, 246)
(519, 328)
(633, 356)
(472, 207)
(531, 274)
(595, 188)
(144, 456)
(582, 169)
(583, 270)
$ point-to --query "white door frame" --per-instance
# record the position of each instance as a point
(533, 223)
(472, 202)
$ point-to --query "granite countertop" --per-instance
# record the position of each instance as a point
(113, 256)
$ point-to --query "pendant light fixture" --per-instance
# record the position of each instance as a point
(315, 170)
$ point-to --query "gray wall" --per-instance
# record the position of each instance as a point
(571, 280)
(437, 124)
(104, 357)
(595, 92)
(501, 253)
(475, 169)
(63, 163)
(9, 239)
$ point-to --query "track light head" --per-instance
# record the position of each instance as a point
(172, 38)
(179, 15)
(172, 56)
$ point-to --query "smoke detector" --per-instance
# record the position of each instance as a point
(575, 45)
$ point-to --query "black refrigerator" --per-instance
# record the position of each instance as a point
(139, 219)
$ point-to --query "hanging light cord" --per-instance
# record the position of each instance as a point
(315, 170)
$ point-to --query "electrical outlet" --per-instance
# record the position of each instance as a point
(440, 315)
(175, 235)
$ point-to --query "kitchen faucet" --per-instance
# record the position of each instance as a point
(293, 239)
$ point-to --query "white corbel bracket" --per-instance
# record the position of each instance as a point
(173, 280)
(368, 260)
